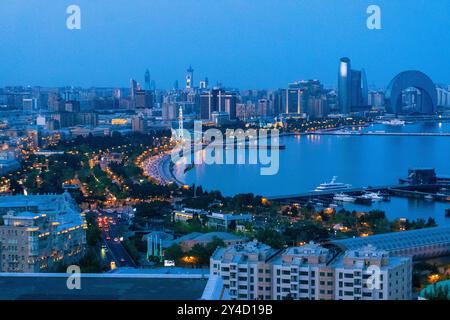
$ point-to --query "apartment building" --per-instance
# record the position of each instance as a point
(245, 269)
(256, 271)
(303, 273)
(39, 231)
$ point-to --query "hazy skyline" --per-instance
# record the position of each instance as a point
(241, 43)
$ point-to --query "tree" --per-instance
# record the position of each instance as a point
(174, 252)
(270, 237)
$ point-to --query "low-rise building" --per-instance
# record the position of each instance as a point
(188, 241)
(225, 221)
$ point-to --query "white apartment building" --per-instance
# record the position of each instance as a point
(311, 272)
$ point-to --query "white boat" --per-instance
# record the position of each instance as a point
(342, 197)
(375, 197)
(429, 197)
(332, 186)
(394, 122)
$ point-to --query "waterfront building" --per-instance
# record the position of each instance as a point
(376, 99)
(39, 232)
(217, 100)
(421, 94)
(311, 272)
(220, 118)
(352, 88)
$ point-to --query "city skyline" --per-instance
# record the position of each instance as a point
(158, 39)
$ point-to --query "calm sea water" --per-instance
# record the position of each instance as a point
(358, 160)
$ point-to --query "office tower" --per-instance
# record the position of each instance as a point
(311, 272)
(147, 80)
(29, 104)
(190, 78)
(345, 85)
(143, 99)
(87, 119)
(65, 119)
(264, 108)
(133, 88)
(40, 232)
(72, 106)
(139, 124)
(55, 103)
(217, 100)
(352, 88)
(169, 111)
(376, 99)
(293, 99)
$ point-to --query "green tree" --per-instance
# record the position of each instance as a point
(174, 252)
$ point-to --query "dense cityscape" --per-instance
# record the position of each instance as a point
(87, 180)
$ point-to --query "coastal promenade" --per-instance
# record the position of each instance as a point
(159, 167)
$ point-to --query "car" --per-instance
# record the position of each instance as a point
(108, 238)
(116, 239)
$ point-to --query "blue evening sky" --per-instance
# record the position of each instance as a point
(242, 43)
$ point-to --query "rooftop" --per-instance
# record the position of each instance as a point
(399, 240)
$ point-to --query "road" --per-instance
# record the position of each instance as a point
(109, 223)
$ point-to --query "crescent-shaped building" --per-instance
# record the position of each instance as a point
(412, 79)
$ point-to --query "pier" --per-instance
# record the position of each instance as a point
(398, 190)
(381, 133)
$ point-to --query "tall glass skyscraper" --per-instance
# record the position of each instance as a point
(352, 88)
(345, 85)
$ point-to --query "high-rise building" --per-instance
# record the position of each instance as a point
(352, 88)
(147, 80)
(190, 78)
(143, 99)
(345, 85)
(29, 104)
(133, 89)
(217, 100)
(139, 124)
